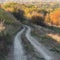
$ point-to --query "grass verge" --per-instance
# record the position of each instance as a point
(47, 41)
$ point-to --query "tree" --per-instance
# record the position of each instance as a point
(55, 17)
(37, 18)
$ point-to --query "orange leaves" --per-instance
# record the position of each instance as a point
(55, 16)
(9, 9)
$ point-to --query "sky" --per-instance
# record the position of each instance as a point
(30, 0)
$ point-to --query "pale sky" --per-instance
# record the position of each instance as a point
(30, 0)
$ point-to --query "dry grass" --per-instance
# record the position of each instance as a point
(55, 37)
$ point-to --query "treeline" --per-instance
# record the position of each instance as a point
(15, 9)
(34, 13)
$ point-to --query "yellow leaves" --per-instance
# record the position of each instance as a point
(26, 10)
(47, 18)
(10, 9)
(36, 14)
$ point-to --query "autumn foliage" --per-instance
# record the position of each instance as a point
(53, 17)
(36, 14)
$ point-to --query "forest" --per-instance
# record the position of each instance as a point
(35, 13)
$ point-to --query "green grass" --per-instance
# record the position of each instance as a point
(56, 29)
(10, 21)
(43, 38)
(7, 17)
(47, 41)
(12, 25)
(29, 49)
